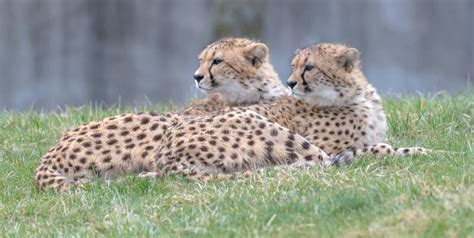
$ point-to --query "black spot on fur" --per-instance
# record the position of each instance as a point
(96, 135)
(145, 120)
(305, 145)
(141, 136)
(112, 127)
(154, 126)
(274, 132)
(157, 137)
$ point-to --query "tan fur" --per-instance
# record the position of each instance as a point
(126, 143)
(336, 110)
(249, 76)
(383, 149)
(347, 110)
(231, 142)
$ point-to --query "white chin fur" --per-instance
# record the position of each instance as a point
(203, 90)
(235, 95)
(233, 92)
(323, 97)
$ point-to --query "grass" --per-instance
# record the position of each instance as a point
(431, 196)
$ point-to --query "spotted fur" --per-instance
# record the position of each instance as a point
(127, 143)
(383, 149)
(347, 110)
(336, 111)
(232, 142)
(248, 77)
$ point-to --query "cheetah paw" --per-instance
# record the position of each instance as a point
(344, 157)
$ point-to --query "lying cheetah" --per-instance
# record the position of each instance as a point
(336, 110)
(233, 71)
(363, 99)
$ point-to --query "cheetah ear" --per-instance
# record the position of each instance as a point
(349, 59)
(257, 54)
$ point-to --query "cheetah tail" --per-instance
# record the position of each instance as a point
(383, 149)
(408, 151)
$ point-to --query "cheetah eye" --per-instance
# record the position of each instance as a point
(216, 61)
(308, 67)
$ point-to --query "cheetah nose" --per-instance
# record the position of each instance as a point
(198, 77)
(291, 83)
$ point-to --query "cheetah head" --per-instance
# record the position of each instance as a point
(327, 75)
(239, 71)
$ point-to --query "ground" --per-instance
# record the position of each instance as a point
(429, 195)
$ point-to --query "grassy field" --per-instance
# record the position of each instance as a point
(431, 196)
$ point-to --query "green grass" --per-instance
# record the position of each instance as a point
(431, 196)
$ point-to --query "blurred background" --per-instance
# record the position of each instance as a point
(130, 52)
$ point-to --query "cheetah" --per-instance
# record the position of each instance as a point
(333, 105)
(233, 71)
(335, 110)
(349, 112)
